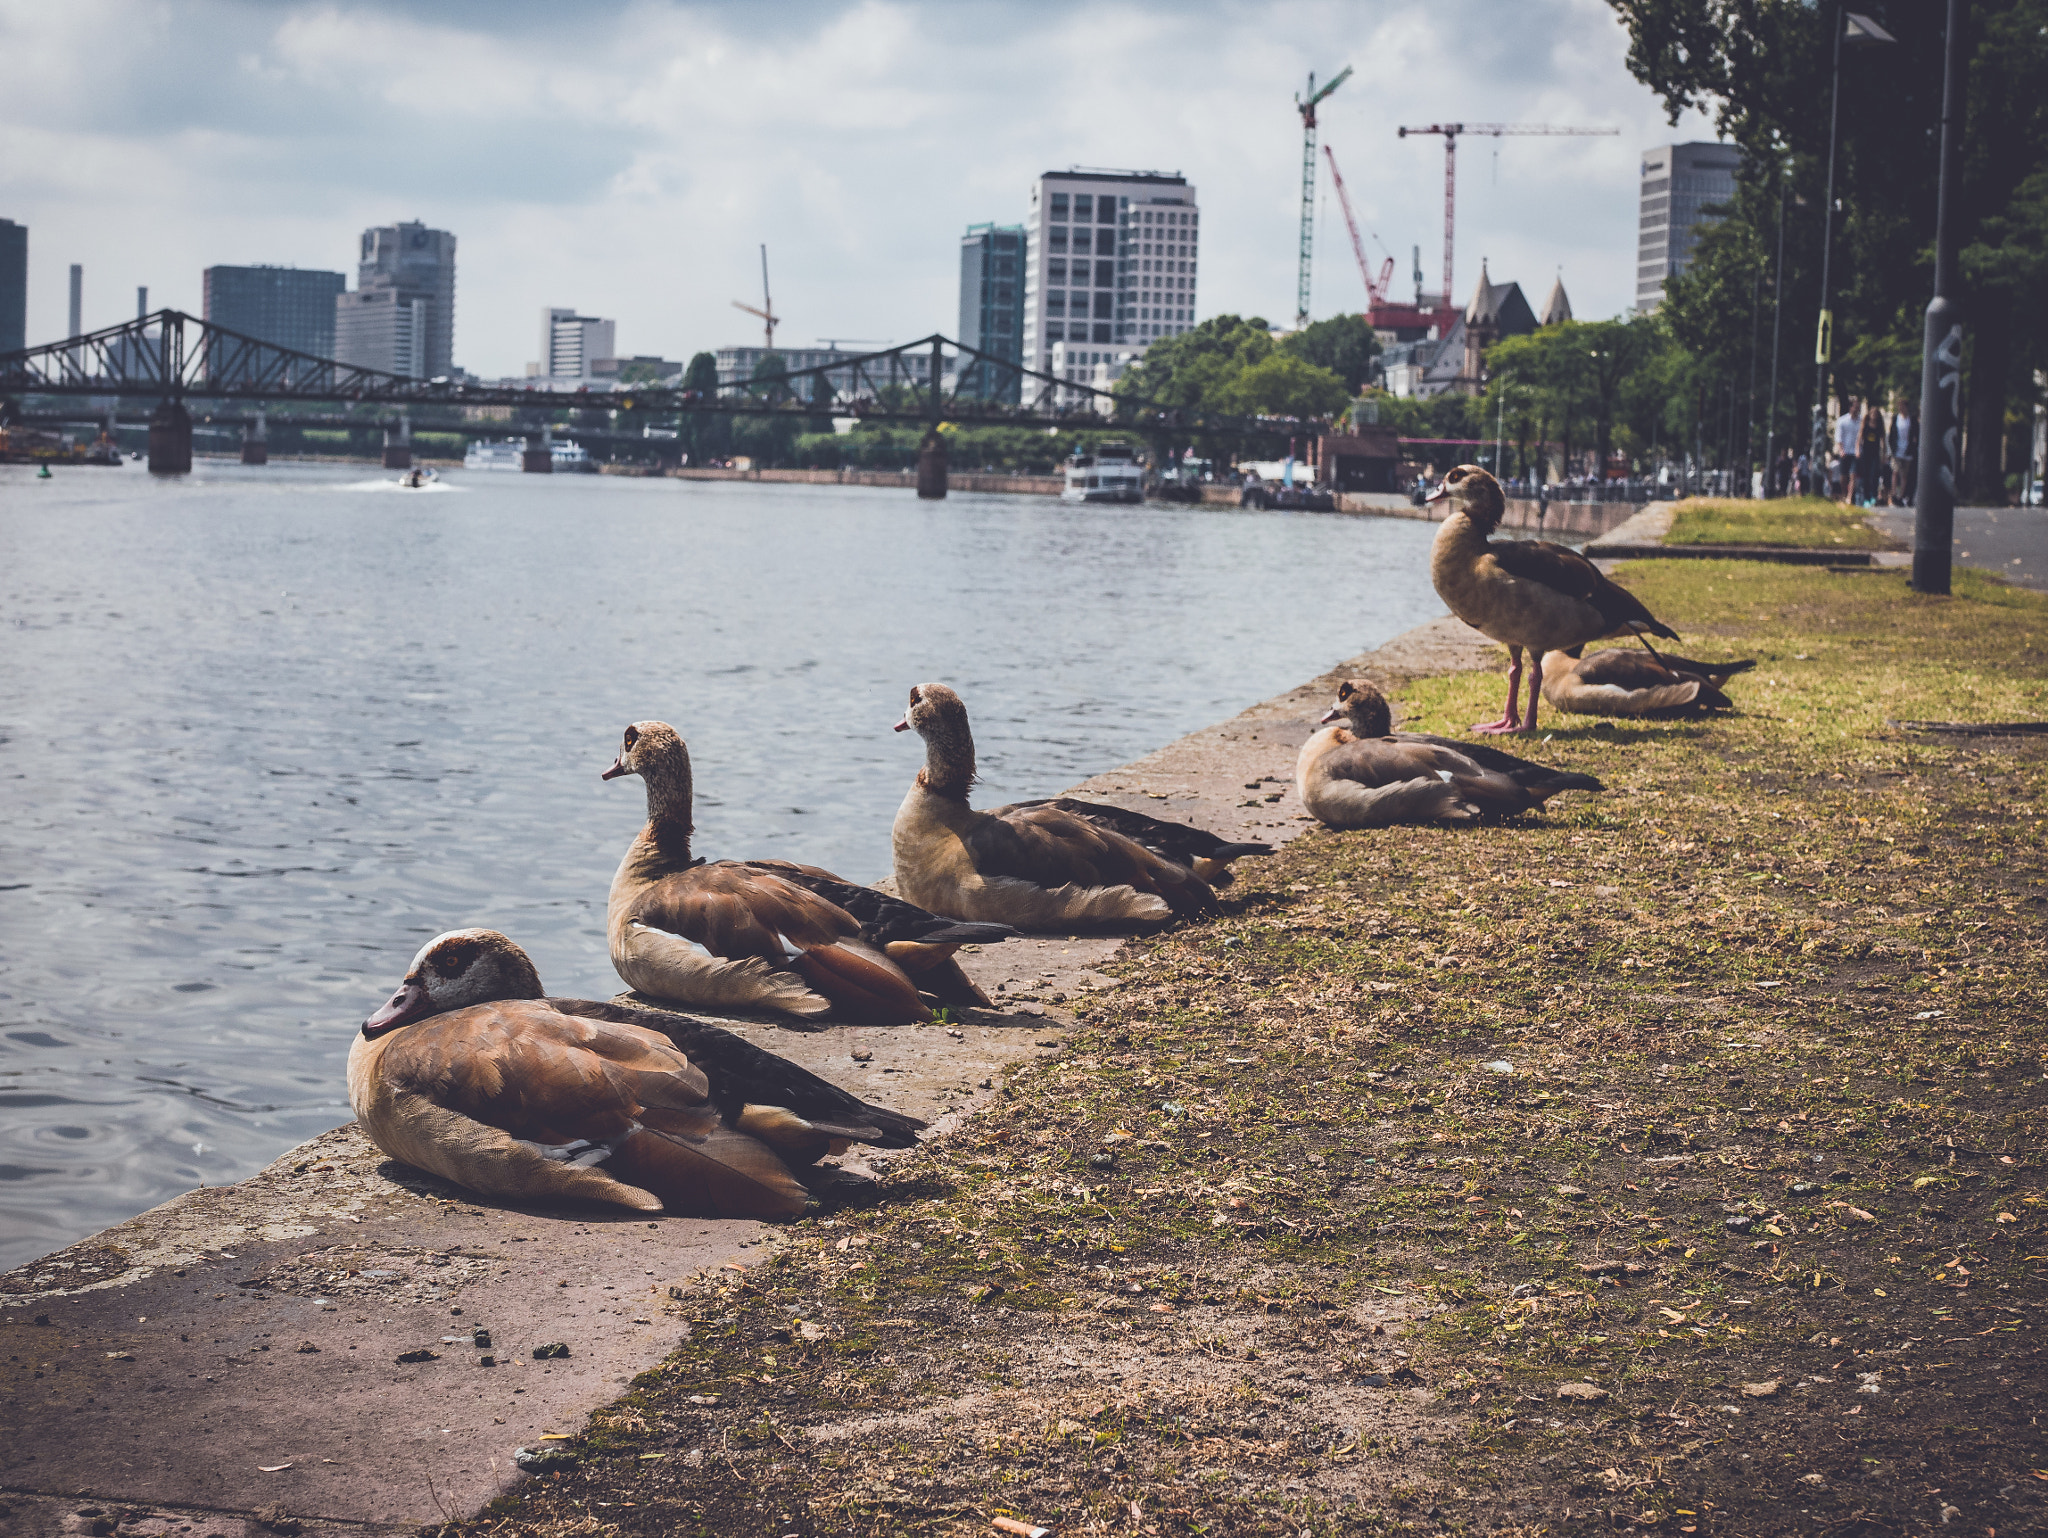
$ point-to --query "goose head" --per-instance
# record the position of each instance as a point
(453, 971)
(656, 752)
(1476, 494)
(937, 715)
(1360, 702)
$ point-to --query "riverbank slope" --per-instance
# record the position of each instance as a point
(1670, 1162)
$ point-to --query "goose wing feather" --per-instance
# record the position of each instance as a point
(1530, 776)
(884, 919)
(1176, 841)
(738, 1073)
(1570, 573)
(735, 910)
(1050, 848)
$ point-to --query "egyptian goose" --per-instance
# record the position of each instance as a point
(472, 1072)
(1624, 682)
(1524, 594)
(1034, 866)
(732, 935)
(1363, 774)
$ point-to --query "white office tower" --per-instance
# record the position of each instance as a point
(1109, 266)
(1684, 186)
(572, 346)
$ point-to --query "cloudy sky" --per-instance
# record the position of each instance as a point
(629, 158)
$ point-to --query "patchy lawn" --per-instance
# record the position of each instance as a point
(1803, 522)
(1669, 1163)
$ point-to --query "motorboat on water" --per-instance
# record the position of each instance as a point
(1111, 473)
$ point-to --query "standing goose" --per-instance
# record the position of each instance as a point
(471, 1072)
(1524, 594)
(1033, 866)
(738, 936)
(1625, 682)
(1364, 774)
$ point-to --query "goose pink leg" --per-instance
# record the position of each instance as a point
(1512, 720)
(1535, 688)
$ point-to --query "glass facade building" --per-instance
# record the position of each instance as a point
(992, 307)
(13, 286)
(289, 306)
(401, 315)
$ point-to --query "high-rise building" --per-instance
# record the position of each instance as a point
(1110, 262)
(401, 315)
(1683, 185)
(992, 307)
(288, 306)
(572, 345)
(13, 286)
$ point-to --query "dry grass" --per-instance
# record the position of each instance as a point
(1721, 1092)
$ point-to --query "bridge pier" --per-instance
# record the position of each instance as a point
(170, 438)
(539, 458)
(931, 467)
(256, 441)
(398, 444)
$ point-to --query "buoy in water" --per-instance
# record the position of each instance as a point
(44, 474)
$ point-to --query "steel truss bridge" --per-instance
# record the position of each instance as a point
(171, 357)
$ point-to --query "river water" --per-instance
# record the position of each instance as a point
(264, 731)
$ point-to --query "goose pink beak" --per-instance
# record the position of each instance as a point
(406, 1004)
(901, 726)
(1334, 713)
(1442, 491)
(618, 768)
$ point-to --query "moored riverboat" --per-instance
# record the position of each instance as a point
(1112, 473)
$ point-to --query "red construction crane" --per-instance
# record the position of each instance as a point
(1450, 131)
(1375, 292)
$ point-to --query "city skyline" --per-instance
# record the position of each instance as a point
(636, 156)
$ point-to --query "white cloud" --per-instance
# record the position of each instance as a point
(629, 158)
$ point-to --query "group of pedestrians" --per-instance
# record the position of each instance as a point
(1874, 458)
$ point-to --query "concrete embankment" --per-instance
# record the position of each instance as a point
(304, 1342)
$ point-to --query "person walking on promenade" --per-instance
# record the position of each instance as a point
(1848, 428)
(1905, 454)
(1870, 455)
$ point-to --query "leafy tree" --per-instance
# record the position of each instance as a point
(1284, 385)
(1764, 68)
(705, 435)
(1344, 344)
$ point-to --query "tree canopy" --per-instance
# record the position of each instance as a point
(1764, 68)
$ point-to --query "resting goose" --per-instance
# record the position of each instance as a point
(1034, 866)
(1524, 594)
(1624, 682)
(1363, 774)
(731, 935)
(471, 1072)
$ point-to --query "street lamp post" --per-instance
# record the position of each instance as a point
(1850, 27)
(1941, 367)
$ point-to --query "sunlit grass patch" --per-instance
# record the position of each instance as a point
(1805, 522)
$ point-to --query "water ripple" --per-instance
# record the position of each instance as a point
(373, 718)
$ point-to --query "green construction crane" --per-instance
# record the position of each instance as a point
(1305, 104)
